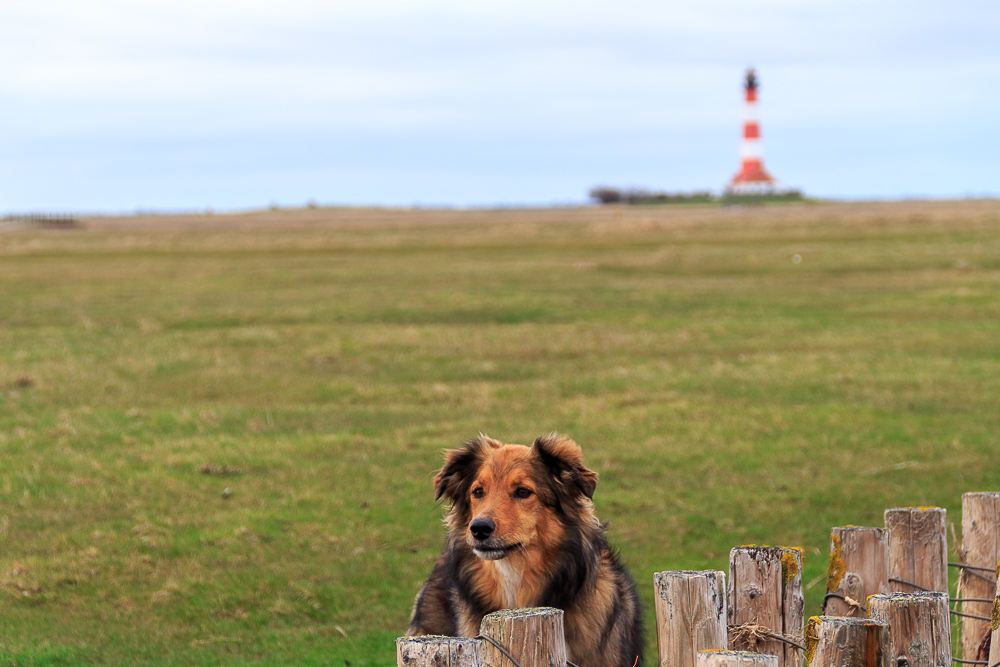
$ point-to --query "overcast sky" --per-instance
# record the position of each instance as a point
(118, 105)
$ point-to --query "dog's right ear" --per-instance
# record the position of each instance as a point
(460, 466)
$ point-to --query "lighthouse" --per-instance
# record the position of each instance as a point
(752, 178)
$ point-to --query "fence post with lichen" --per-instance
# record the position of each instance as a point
(766, 602)
(918, 549)
(438, 651)
(859, 562)
(994, 652)
(690, 615)
(534, 637)
(919, 627)
(841, 641)
(734, 659)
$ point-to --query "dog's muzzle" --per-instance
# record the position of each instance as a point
(490, 550)
(484, 547)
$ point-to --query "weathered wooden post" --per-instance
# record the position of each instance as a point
(918, 549)
(994, 652)
(765, 598)
(980, 548)
(690, 615)
(841, 641)
(734, 659)
(534, 637)
(859, 567)
(919, 627)
(438, 651)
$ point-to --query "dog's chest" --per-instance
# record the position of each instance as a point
(509, 577)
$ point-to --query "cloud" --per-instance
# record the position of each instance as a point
(460, 78)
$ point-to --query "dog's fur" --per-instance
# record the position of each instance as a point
(546, 549)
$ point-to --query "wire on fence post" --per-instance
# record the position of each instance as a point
(752, 631)
(971, 567)
(962, 613)
(909, 583)
(500, 648)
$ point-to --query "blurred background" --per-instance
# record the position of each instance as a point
(113, 105)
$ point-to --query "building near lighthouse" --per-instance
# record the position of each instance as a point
(753, 180)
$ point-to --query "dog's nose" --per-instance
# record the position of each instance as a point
(482, 528)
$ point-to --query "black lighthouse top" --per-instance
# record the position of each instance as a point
(751, 83)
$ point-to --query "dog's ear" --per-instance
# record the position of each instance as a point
(564, 460)
(460, 466)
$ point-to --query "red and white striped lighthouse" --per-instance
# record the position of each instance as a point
(752, 178)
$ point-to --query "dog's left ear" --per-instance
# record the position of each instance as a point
(564, 459)
(460, 466)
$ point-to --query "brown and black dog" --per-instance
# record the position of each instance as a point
(522, 533)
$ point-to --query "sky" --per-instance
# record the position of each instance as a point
(125, 105)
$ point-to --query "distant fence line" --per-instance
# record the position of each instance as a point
(53, 220)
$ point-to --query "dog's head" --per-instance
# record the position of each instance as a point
(504, 496)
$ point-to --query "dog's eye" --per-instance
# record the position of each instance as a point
(522, 492)
(477, 493)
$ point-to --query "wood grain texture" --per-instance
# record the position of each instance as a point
(994, 653)
(534, 637)
(918, 548)
(919, 627)
(690, 615)
(438, 651)
(980, 547)
(765, 588)
(859, 567)
(735, 659)
(840, 641)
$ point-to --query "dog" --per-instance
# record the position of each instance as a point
(522, 533)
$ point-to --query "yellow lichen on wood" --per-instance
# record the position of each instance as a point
(789, 566)
(995, 616)
(836, 570)
(811, 638)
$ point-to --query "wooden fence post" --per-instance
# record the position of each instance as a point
(840, 641)
(994, 652)
(735, 659)
(980, 548)
(438, 651)
(534, 637)
(690, 615)
(859, 567)
(918, 549)
(765, 590)
(919, 627)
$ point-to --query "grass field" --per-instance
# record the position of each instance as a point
(735, 376)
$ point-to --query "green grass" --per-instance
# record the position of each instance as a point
(315, 363)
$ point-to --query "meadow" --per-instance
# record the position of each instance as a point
(218, 433)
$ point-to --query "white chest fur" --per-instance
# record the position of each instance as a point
(509, 576)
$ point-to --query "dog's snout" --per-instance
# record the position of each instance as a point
(482, 528)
